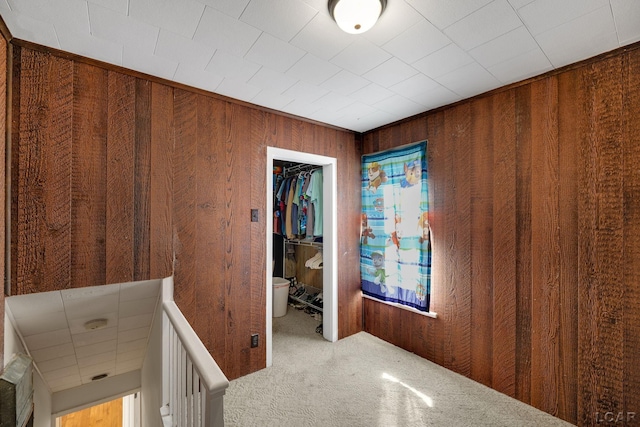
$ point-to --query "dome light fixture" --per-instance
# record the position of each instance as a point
(95, 324)
(356, 16)
(99, 377)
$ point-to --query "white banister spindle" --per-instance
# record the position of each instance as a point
(189, 393)
(197, 408)
(196, 383)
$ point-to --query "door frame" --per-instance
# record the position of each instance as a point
(330, 240)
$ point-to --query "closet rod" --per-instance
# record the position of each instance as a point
(301, 167)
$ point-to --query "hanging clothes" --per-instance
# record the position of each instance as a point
(298, 204)
(314, 193)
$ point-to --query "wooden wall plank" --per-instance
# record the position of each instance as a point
(631, 138)
(237, 240)
(169, 210)
(121, 122)
(209, 217)
(349, 177)
(570, 97)
(33, 109)
(481, 244)
(184, 201)
(89, 176)
(437, 155)
(161, 185)
(15, 131)
(258, 297)
(4, 52)
(601, 222)
(141, 227)
(579, 256)
(504, 244)
(545, 246)
(457, 283)
(523, 243)
(57, 157)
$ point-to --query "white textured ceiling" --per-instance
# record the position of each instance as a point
(52, 326)
(290, 56)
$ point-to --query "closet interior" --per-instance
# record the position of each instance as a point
(297, 238)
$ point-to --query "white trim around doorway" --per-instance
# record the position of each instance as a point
(330, 240)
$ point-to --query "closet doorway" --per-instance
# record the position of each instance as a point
(330, 239)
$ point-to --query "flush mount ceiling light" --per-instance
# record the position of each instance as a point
(356, 16)
(95, 324)
(99, 377)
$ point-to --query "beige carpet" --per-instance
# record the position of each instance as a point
(362, 381)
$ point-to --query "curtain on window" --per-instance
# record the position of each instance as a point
(395, 251)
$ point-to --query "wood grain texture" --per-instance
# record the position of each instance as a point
(523, 244)
(30, 204)
(236, 241)
(3, 187)
(564, 198)
(121, 135)
(570, 97)
(564, 330)
(46, 162)
(504, 244)
(601, 224)
(142, 149)
(210, 225)
(88, 177)
(108, 414)
(184, 202)
(258, 310)
(436, 153)
(161, 186)
(545, 248)
(631, 138)
(308, 276)
(481, 244)
(57, 156)
(457, 280)
(349, 173)
(13, 159)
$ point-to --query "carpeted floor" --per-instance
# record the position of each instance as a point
(362, 381)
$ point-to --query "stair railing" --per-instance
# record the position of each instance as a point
(195, 386)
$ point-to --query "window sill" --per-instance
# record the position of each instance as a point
(431, 314)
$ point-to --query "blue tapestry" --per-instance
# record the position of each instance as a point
(395, 249)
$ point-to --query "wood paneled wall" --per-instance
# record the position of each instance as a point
(535, 198)
(117, 178)
(4, 51)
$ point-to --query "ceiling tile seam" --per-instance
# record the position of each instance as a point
(14, 325)
(239, 18)
(204, 9)
(303, 27)
(253, 44)
(153, 318)
(446, 46)
(55, 31)
(88, 16)
(298, 61)
(155, 47)
(524, 24)
(402, 33)
(573, 20)
(566, 22)
(464, 17)
(615, 22)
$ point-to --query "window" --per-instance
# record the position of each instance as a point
(395, 247)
